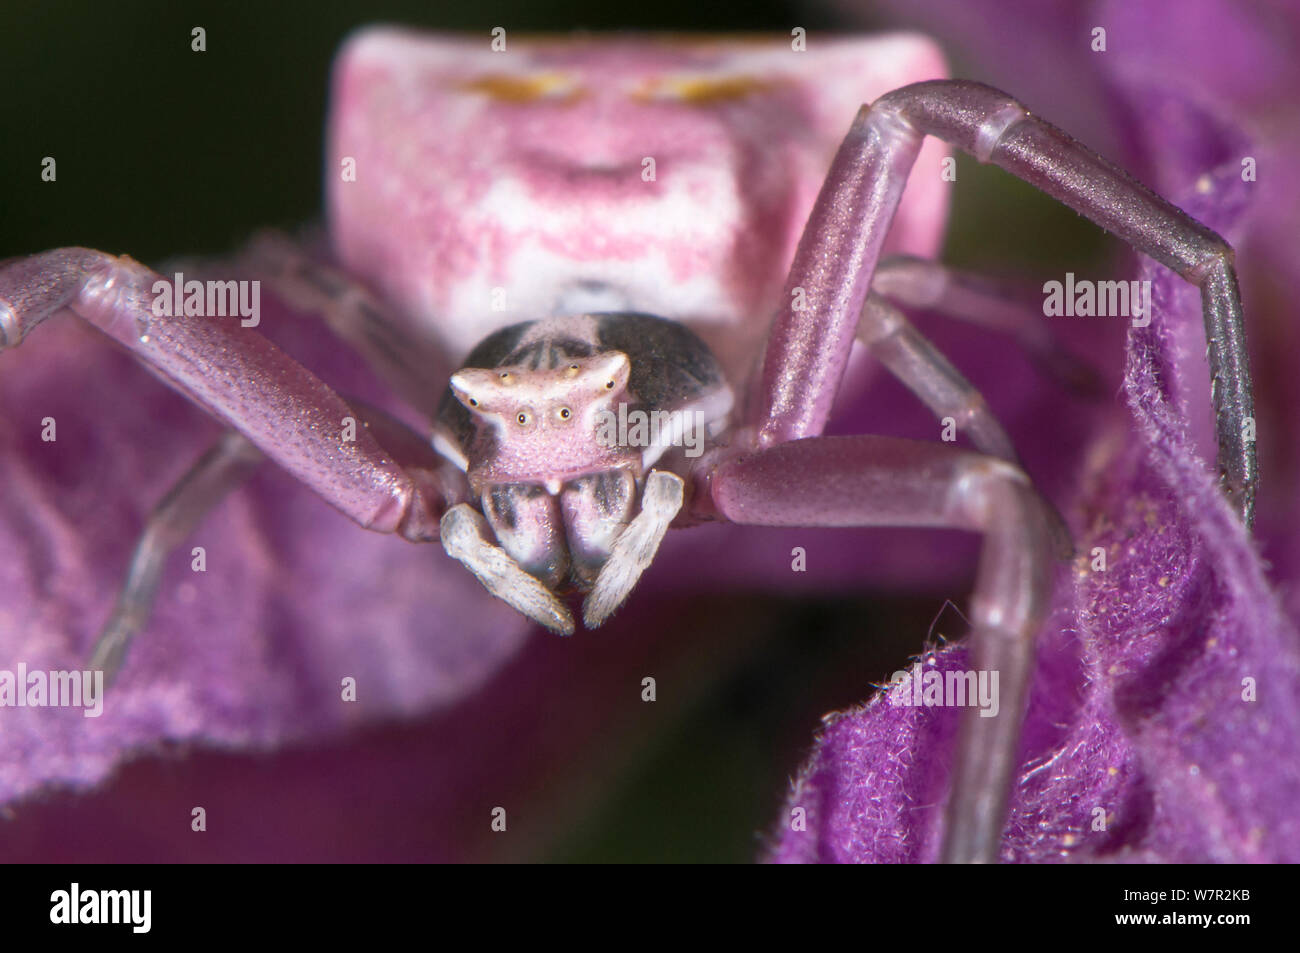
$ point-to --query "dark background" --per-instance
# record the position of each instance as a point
(163, 151)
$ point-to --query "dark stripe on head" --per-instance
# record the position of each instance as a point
(670, 363)
(549, 354)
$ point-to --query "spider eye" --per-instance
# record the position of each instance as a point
(609, 385)
(564, 413)
(473, 401)
(524, 418)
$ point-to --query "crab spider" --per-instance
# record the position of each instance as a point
(592, 227)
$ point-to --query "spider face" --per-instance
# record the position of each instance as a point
(554, 495)
(540, 425)
(533, 420)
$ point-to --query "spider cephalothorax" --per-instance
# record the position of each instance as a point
(543, 425)
(538, 419)
(554, 494)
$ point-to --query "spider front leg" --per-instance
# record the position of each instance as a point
(923, 369)
(791, 476)
(886, 481)
(366, 464)
(837, 256)
(235, 373)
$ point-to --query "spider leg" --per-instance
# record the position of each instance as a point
(230, 460)
(467, 538)
(923, 369)
(886, 481)
(840, 247)
(978, 300)
(239, 376)
(635, 547)
(222, 468)
(413, 368)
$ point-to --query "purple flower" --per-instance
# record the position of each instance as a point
(462, 707)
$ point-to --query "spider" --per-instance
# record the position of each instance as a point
(567, 254)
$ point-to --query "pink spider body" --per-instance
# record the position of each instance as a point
(497, 187)
(593, 185)
(533, 418)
